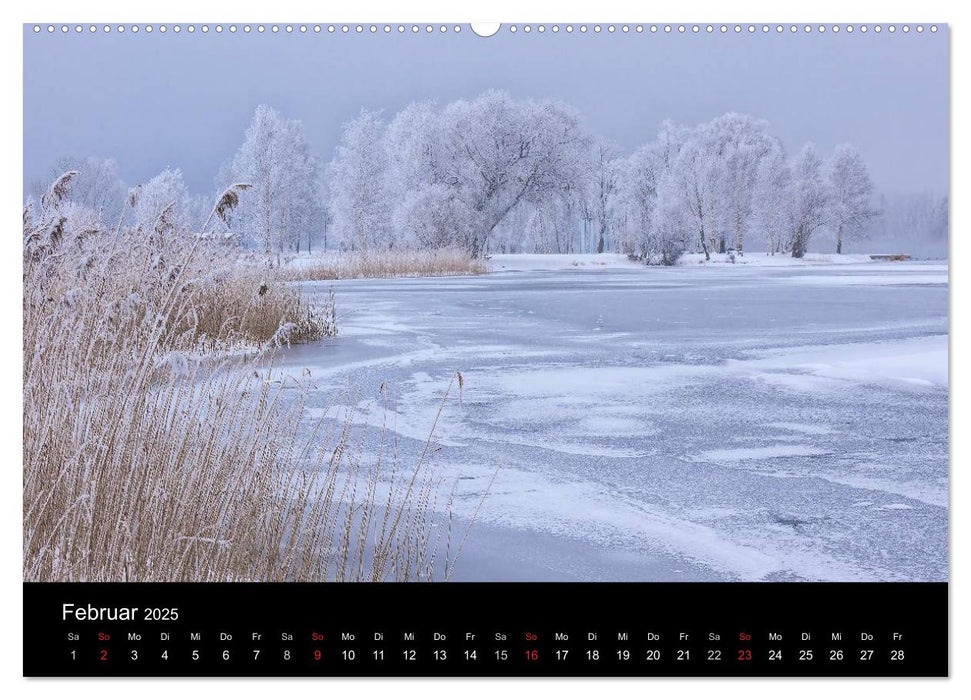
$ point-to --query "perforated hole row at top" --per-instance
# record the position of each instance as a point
(512, 28)
(723, 28)
(248, 28)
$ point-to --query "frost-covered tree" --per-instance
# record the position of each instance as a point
(562, 215)
(806, 201)
(709, 171)
(644, 172)
(601, 195)
(432, 217)
(770, 196)
(540, 230)
(276, 160)
(358, 185)
(739, 142)
(499, 153)
(301, 209)
(413, 140)
(696, 183)
(850, 190)
(257, 164)
(649, 173)
(492, 155)
(716, 169)
(670, 228)
(162, 202)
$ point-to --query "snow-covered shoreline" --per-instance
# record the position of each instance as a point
(539, 262)
(592, 261)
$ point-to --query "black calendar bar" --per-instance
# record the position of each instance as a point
(471, 629)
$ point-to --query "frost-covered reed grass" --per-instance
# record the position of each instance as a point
(445, 262)
(149, 457)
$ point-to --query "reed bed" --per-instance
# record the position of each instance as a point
(390, 263)
(153, 454)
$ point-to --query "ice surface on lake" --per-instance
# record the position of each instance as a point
(703, 422)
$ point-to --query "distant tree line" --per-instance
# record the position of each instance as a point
(496, 174)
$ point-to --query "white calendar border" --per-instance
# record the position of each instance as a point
(603, 11)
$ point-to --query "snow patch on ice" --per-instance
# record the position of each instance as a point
(910, 363)
(933, 495)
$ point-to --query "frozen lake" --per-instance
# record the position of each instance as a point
(689, 423)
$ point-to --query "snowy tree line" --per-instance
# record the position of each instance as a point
(281, 210)
(496, 174)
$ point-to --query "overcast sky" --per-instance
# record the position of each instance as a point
(164, 100)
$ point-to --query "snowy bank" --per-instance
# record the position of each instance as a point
(778, 260)
(528, 262)
(534, 262)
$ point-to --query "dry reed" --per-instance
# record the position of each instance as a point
(147, 458)
(391, 263)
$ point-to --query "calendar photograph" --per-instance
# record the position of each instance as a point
(532, 303)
